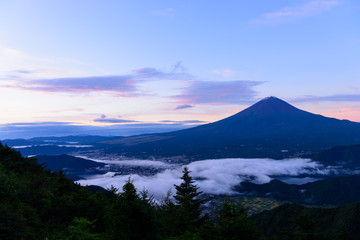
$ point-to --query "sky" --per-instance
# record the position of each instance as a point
(130, 67)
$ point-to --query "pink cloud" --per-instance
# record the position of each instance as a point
(330, 98)
(153, 73)
(351, 113)
(118, 84)
(224, 72)
(288, 13)
(225, 92)
(194, 91)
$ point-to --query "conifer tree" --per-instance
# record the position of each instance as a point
(189, 205)
(131, 216)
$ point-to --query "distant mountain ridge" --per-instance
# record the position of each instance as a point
(70, 165)
(56, 145)
(332, 191)
(345, 156)
(269, 128)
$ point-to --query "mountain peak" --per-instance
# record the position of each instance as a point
(270, 98)
(273, 100)
(264, 129)
(270, 105)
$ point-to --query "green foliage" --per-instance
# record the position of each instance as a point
(79, 229)
(38, 204)
(233, 223)
(188, 203)
(187, 236)
(292, 221)
(305, 227)
(82, 229)
(9, 184)
(168, 216)
(183, 218)
(131, 215)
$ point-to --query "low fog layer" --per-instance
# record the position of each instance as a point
(212, 176)
(50, 144)
(134, 163)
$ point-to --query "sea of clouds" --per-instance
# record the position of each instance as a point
(217, 176)
(133, 162)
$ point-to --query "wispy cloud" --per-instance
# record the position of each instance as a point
(168, 12)
(331, 98)
(46, 129)
(179, 67)
(24, 71)
(184, 122)
(225, 92)
(104, 119)
(27, 124)
(153, 73)
(17, 64)
(13, 55)
(224, 72)
(289, 13)
(121, 85)
(133, 162)
(184, 106)
(174, 83)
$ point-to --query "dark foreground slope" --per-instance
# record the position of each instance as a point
(269, 128)
(291, 221)
(38, 204)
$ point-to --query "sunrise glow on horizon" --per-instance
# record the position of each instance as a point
(167, 65)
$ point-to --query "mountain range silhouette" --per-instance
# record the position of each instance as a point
(270, 128)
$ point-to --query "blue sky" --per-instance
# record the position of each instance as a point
(118, 64)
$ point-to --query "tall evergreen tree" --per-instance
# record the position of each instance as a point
(188, 202)
(131, 216)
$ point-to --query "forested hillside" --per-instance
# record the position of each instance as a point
(36, 203)
(292, 221)
(344, 156)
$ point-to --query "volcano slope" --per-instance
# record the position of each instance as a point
(270, 128)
